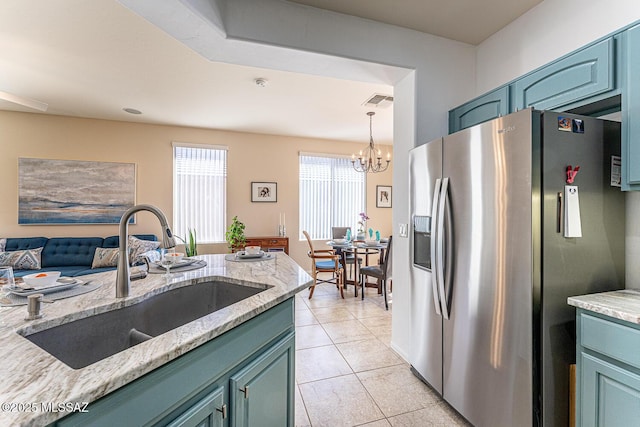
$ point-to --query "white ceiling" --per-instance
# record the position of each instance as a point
(468, 21)
(93, 58)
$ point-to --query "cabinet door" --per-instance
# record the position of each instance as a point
(208, 412)
(631, 111)
(486, 107)
(581, 75)
(262, 393)
(610, 395)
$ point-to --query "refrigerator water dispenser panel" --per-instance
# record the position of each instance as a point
(422, 242)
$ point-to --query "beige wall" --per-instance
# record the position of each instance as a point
(251, 157)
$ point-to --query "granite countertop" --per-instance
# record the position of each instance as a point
(623, 304)
(31, 376)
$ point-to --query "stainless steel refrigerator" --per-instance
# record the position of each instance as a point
(492, 268)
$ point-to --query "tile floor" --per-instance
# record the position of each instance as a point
(346, 372)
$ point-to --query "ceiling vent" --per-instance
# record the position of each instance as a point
(379, 101)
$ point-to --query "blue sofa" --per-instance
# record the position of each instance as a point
(72, 256)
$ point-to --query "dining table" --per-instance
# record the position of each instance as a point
(358, 249)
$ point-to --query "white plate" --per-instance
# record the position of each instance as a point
(183, 263)
(244, 255)
(62, 284)
(369, 245)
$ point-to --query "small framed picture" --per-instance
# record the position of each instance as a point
(264, 191)
(383, 196)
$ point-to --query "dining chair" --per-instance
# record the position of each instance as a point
(382, 272)
(324, 261)
(349, 258)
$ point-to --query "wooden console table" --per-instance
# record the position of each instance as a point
(270, 243)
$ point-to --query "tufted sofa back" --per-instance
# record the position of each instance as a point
(25, 243)
(67, 251)
(64, 251)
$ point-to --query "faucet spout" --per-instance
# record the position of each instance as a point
(123, 279)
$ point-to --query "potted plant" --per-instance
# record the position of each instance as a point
(235, 235)
(190, 244)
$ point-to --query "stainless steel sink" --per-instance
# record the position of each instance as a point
(86, 341)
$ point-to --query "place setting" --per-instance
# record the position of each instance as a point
(249, 254)
(15, 291)
(168, 260)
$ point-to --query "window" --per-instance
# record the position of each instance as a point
(332, 194)
(200, 191)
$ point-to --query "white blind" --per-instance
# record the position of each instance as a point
(200, 192)
(332, 194)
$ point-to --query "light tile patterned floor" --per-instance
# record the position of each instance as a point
(346, 372)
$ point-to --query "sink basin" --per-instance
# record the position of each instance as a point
(86, 341)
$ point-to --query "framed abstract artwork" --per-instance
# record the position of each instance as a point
(74, 191)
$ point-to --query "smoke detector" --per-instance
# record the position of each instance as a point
(261, 82)
(378, 100)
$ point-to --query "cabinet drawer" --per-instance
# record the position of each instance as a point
(270, 243)
(611, 339)
(275, 242)
(579, 76)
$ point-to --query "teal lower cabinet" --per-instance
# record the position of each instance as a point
(608, 371)
(260, 392)
(244, 377)
(611, 394)
(211, 411)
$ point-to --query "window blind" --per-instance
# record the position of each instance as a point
(200, 191)
(332, 194)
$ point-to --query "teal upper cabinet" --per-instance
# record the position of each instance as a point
(489, 106)
(583, 74)
(631, 110)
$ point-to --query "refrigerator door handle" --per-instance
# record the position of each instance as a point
(440, 261)
(448, 260)
(434, 234)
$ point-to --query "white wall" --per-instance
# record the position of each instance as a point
(542, 35)
(547, 32)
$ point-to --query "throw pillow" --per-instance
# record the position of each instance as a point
(137, 247)
(105, 257)
(3, 244)
(22, 260)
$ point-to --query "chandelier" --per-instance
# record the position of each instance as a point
(370, 160)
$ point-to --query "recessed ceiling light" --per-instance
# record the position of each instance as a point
(132, 110)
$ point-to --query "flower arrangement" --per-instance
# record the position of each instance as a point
(362, 224)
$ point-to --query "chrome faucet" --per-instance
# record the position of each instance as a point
(123, 279)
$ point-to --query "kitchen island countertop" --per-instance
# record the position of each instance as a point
(32, 378)
(623, 304)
